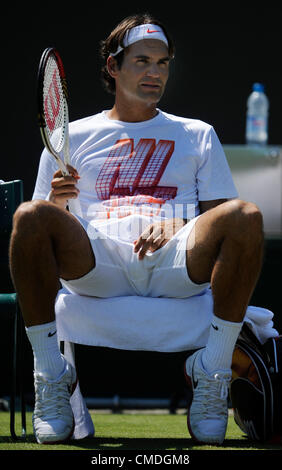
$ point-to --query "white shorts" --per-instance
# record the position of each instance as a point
(118, 271)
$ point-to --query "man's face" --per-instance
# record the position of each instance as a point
(144, 72)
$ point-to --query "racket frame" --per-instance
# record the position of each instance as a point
(41, 114)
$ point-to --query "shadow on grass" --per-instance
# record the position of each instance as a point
(103, 443)
(159, 444)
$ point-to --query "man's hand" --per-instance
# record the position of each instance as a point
(64, 187)
(157, 235)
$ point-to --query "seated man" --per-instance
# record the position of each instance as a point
(133, 168)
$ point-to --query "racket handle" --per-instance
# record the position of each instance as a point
(74, 204)
(62, 167)
(75, 207)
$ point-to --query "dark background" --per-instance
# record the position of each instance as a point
(220, 53)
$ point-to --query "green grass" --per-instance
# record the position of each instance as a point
(130, 432)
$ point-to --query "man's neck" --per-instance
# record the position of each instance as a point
(132, 113)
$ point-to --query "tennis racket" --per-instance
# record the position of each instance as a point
(53, 115)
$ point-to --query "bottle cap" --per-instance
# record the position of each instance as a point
(258, 87)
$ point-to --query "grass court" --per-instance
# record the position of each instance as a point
(132, 431)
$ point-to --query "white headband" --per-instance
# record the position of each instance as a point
(144, 31)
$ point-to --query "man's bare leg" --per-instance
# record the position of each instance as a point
(46, 243)
(225, 248)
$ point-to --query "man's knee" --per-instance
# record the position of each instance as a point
(34, 212)
(246, 221)
(24, 215)
(34, 217)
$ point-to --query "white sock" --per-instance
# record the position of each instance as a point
(48, 359)
(220, 346)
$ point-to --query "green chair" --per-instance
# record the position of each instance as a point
(11, 195)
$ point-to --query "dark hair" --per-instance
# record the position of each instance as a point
(111, 43)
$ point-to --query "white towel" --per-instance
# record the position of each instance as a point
(140, 323)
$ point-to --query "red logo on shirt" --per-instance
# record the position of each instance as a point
(129, 170)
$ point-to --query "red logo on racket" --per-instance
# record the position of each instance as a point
(52, 102)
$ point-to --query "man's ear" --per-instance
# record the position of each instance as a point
(112, 66)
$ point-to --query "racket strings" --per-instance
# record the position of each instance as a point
(55, 106)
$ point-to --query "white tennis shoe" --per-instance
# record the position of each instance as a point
(52, 418)
(208, 414)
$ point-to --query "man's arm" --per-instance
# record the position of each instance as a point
(158, 234)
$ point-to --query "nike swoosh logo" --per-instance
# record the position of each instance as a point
(214, 327)
(52, 334)
(149, 31)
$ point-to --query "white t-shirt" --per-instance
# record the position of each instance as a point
(160, 168)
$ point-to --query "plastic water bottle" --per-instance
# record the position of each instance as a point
(257, 116)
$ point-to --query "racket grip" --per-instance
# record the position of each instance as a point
(62, 167)
(75, 207)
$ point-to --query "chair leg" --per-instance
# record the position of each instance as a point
(17, 346)
(14, 379)
(21, 375)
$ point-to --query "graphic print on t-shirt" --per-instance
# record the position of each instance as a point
(130, 175)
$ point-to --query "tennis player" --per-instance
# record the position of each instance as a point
(161, 218)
